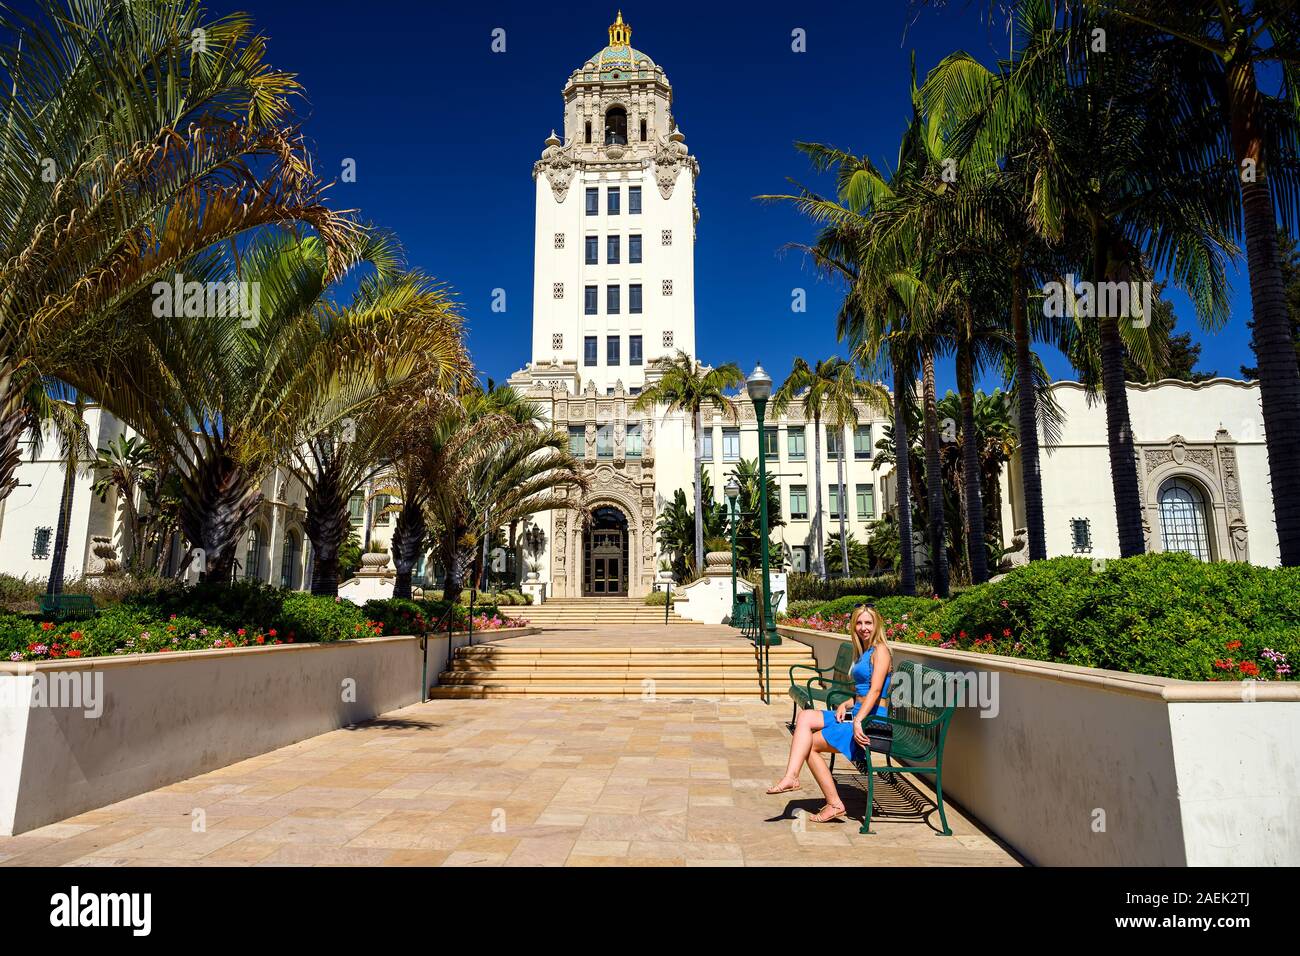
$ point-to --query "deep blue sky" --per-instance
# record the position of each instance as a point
(445, 133)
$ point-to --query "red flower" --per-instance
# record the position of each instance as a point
(1225, 665)
(1006, 632)
(1233, 645)
(271, 632)
(261, 639)
(935, 636)
(74, 653)
(961, 633)
(46, 626)
(75, 636)
(1249, 668)
(240, 632)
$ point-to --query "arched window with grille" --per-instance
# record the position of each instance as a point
(1184, 523)
(253, 557)
(289, 563)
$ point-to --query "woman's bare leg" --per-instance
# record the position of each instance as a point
(822, 773)
(809, 722)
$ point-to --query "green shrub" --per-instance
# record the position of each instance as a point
(1163, 614)
(397, 616)
(306, 617)
(656, 598)
(808, 587)
(802, 608)
(19, 593)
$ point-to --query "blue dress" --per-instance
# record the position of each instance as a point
(839, 734)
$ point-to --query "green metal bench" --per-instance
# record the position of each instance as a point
(62, 606)
(805, 695)
(919, 733)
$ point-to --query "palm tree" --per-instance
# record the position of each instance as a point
(226, 401)
(833, 389)
(125, 149)
(749, 537)
(126, 467)
(1225, 46)
(337, 460)
(1122, 185)
(688, 386)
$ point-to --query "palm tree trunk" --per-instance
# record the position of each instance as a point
(326, 525)
(1279, 375)
(903, 469)
(217, 501)
(1119, 437)
(934, 479)
(698, 425)
(976, 550)
(817, 507)
(407, 543)
(1031, 476)
(60, 558)
(12, 427)
(843, 507)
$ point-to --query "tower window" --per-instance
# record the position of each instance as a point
(588, 130)
(611, 300)
(634, 299)
(612, 201)
(643, 131)
(593, 250)
(668, 338)
(634, 350)
(612, 350)
(616, 126)
(557, 290)
(559, 240)
(593, 201)
(612, 250)
(668, 287)
(634, 200)
(589, 300)
(666, 237)
(589, 350)
(557, 341)
(634, 248)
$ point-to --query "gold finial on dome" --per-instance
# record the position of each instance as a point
(620, 34)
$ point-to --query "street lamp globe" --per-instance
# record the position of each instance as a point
(759, 385)
(732, 488)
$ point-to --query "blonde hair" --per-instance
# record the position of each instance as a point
(877, 632)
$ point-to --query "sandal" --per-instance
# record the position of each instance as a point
(821, 816)
(780, 789)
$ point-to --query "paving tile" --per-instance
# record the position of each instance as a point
(529, 782)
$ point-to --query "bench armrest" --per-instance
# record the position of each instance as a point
(807, 667)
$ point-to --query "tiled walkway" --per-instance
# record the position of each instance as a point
(517, 783)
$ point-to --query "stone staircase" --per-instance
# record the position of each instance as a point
(602, 611)
(728, 669)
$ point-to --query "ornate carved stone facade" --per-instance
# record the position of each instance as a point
(1211, 467)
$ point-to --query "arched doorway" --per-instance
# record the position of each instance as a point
(605, 553)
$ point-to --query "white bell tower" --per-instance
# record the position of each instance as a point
(614, 259)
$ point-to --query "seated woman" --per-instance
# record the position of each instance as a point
(820, 732)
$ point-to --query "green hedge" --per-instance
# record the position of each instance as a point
(809, 587)
(657, 598)
(1167, 615)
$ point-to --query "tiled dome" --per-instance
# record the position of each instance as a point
(620, 57)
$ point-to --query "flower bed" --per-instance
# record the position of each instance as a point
(205, 617)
